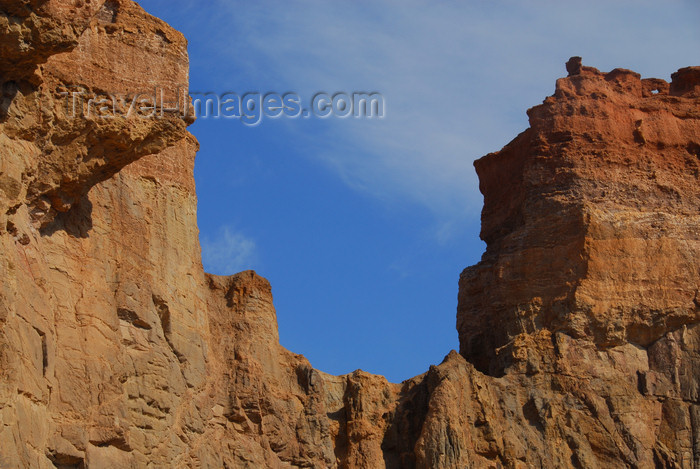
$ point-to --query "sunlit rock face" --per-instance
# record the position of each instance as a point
(103, 319)
(591, 219)
(579, 344)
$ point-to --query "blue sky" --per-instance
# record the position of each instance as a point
(363, 226)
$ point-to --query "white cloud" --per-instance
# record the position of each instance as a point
(457, 76)
(228, 252)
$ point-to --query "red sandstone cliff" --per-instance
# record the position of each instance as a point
(578, 332)
(591, 218)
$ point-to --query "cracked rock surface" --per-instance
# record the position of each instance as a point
(579, 329)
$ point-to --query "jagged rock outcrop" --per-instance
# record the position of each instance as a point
(580, 345)
(591, 218)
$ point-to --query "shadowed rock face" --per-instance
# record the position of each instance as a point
(117, 350)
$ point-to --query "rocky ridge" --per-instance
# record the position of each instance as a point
(117, 350)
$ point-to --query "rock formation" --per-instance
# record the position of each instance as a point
(579, 335)
(591, 218)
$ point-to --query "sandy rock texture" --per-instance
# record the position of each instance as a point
(579, 341)
(591, 218)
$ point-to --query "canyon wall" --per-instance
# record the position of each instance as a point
(591, 218)
(579, 335)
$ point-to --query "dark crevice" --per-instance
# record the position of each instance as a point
(77, 221)
(406, 424)
(8, 92)
(532, 414)
(44, 352)
(694, 149)
(164, 315)
(131, 317)
(118, 442)
(108, 13)
(66, 461)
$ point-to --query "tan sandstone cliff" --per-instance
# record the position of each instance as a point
(579, 335)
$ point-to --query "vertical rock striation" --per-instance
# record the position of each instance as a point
(579, 338)
(103, 322)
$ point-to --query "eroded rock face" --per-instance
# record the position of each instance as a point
(117, 350)
(93, 368)
(591, 219)
(31, 31)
